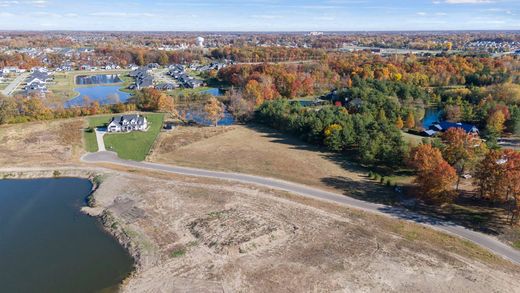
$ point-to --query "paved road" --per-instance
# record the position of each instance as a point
(14, 84)
(483, 240)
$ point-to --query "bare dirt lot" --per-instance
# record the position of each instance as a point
(41, 143)
(208, 236)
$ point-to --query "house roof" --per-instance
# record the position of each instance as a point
(445, 125)
(119, 119)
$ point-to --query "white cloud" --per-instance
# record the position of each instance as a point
(421, 13)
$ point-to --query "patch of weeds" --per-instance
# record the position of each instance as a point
(217, 214)
(97, 180)
(56, 173)
(410, 236)
(178, 252)
(91, 201)
(8, 175)
(516, 244)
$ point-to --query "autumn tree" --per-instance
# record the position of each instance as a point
(399, 122)
(7, 109)
(166, 104)
(164, 59)
(435, 176)
(461, 150)
(498, 179)
(410, 120)
(253, 92)
(147, 99)
(140, 58)
(495, 124)
(214, 110)
(94, 108)
(239, 107)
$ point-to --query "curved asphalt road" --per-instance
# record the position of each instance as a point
(481, 239)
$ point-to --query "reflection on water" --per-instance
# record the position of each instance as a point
(195, 112)
(432, 115)
(97, 79)
(105, 95)
(214, 91)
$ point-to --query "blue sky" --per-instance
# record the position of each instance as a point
(259, 15)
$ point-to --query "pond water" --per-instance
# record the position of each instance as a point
(431, 115)
(195, 112)
(214, 91)
(48, 245)
(106, 94)
(97, 79)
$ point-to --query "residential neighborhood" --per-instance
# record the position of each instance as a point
(260, 146)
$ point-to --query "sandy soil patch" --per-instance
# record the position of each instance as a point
(41, 143)
(207, 237)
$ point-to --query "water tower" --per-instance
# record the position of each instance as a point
(200, 42)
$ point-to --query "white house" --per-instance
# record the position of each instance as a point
(128, 123)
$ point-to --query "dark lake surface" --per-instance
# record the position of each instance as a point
(431, 115)
(48, 245)
(104, 94)
(97, 79)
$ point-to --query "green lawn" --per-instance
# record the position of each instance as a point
(412, 139)
(131, 146)
(134, 145)
(90, 137)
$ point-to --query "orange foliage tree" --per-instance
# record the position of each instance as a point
(461, 149)
(498, 179)
(214, 110)
(435, 176)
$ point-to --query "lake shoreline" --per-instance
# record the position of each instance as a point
(109, 223)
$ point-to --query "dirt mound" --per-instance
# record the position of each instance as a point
(236, 230)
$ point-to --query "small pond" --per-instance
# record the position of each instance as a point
(431, 115)
(48, 245)
(97, 79)
(105, 95)
(214, 91)
(195, 112)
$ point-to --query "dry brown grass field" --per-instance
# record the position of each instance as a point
(41, 143)
(258, 151)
